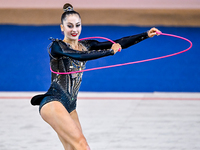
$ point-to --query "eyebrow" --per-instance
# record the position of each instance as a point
(76, 23)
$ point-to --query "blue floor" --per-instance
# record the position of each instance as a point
(24, 61)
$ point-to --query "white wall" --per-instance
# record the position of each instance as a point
(132, 4)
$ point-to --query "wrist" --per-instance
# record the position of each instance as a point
(112, 51)
(147, 33)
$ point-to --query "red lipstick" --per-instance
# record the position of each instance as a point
(74, 34)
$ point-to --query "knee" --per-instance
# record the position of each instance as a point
(82, 144)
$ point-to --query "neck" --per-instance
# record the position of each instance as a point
(71, 42)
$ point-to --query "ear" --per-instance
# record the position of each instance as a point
(61, 27)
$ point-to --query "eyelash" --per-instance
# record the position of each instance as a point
(70, 26)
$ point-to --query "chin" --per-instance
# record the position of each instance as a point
(74, 38)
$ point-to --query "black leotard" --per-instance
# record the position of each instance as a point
(64, 88)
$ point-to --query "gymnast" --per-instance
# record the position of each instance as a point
(58, 105)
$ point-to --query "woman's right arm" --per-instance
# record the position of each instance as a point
(59, 49)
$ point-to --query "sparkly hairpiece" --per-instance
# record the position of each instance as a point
(69, 8)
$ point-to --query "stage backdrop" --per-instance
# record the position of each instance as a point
(24, 61)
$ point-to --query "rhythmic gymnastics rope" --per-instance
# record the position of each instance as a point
(140, 61)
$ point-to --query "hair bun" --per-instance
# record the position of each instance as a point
(67, 7)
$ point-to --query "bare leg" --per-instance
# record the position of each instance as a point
(66, 145)
(74, 116)
(69, 132)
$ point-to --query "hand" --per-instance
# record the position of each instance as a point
(116, 47)
(152, 32)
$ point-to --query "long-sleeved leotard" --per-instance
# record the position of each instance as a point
(64, 88)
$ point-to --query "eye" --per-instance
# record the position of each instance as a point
(78, 25)
(69, 26)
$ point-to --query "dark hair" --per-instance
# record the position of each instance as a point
(68, 10)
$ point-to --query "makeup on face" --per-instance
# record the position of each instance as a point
(72, 27)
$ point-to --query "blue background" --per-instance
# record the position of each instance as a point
(24, 61)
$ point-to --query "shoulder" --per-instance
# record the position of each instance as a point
(57, 43)
(89, 43)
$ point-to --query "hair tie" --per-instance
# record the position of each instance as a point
(68, 7)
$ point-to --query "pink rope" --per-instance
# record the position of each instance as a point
(135, 62)
(97, 38)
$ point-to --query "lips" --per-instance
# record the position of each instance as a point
(74, 34)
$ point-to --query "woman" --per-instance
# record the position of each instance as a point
(58, 105)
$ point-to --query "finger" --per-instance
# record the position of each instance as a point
(153, 29)
(158, 32)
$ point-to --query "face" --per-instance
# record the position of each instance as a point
(71, 27)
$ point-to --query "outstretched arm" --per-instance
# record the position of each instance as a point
(125, 42)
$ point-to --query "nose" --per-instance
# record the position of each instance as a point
(74, 29)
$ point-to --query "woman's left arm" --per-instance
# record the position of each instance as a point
(125, 42)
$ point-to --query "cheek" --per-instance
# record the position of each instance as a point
(79, 29)
(65, 30)
(68, 31)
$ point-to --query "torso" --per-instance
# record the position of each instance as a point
(67, 85)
